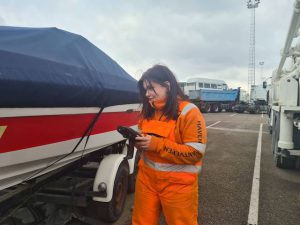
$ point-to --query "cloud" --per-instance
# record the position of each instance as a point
(2, 22)
(193, 38)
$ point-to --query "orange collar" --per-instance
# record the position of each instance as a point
(158, 105)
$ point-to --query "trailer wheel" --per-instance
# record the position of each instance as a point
(284, 162)
(280, 161)
(132, 177)
(270, 130)
(207, 108)
(215, 108)
(229, 109)
(111, 211)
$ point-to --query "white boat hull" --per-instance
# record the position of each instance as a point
(18, 165)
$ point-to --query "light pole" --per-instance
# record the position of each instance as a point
(261, 63)
(252, 4)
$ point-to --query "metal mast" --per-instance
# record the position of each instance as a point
(252, 4)
(262, 78)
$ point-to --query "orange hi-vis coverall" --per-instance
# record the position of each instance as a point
(168, 171)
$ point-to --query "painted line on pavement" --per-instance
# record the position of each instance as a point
(233, 114)
(254, 199)
(235, 130)
(213, 124)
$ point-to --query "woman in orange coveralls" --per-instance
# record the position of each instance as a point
(173, 146)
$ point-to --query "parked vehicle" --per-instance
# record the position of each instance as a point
(243, 104)
(259, 92)
(215, 100)
(61, 101)
(241, 107)
(211, 95)
(285, 108)
(258, 99)
(257, 106)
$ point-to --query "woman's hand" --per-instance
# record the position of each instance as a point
(142, 143)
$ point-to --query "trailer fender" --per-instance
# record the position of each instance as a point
(106, 173)
(131, 162)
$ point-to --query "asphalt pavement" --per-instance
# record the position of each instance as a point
(226, 190)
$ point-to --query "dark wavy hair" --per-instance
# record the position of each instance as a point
(160, 74)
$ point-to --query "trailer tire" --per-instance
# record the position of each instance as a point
(280, 161)
(229, 109)
(111, 211)
(284, 162)
(132, 177)
(215, 108)
(207, 108)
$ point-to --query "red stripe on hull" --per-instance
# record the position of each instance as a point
(26, 132)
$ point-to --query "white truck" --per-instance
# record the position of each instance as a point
(258, 99)
(259, 92)
(285, 95)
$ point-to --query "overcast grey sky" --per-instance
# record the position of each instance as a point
(195, 38)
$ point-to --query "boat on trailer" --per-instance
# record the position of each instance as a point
(60, 98)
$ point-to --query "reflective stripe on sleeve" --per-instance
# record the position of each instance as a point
(187, 108)
(171, 167)
(198, 146)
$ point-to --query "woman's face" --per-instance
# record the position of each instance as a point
(155, 91)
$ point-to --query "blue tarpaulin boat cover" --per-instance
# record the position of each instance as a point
(49, 67)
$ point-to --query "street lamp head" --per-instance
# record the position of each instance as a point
(252, 4)
(249, 3)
